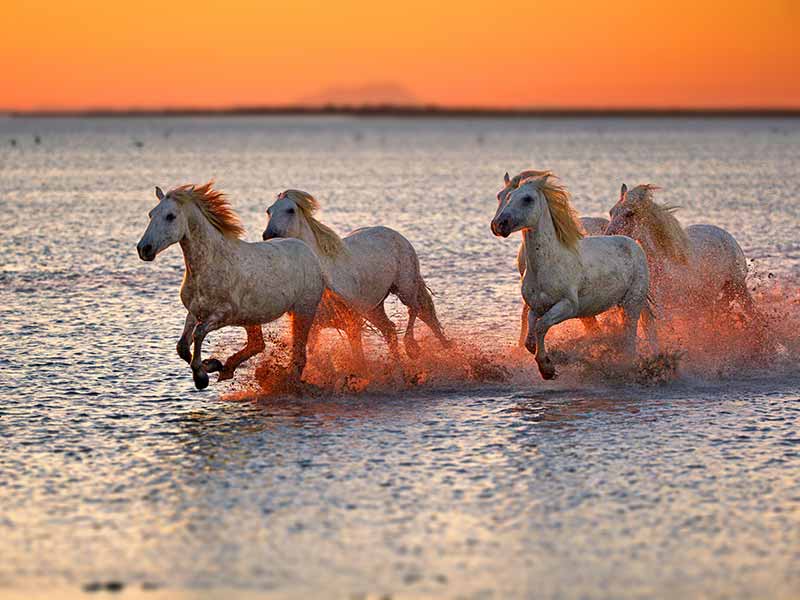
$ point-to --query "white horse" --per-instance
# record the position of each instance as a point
(363, 268)
(229, 281)
(590, 225)
(568, 275)
(700, 266)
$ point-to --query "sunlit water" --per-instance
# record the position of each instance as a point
(461, 474)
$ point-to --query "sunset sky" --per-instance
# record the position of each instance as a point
(596, 53)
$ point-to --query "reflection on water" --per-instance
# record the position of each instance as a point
(461, 474)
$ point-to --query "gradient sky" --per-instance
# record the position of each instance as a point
(614, 53)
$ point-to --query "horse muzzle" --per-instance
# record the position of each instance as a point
(501, 228)
(267, 235)
(146, 252)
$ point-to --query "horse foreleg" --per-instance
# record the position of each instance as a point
(630, 321)
(523, 326)
(353, 330)
(184, 347)
(203, 328)
(254, 345)
(561, 311)
(530, 329)
(301, 326)
(649, 324)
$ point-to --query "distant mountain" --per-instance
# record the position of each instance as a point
(372, 94)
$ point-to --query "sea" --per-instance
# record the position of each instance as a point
(458, 474)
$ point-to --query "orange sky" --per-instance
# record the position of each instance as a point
(618, 53)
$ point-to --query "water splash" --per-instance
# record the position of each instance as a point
(707, 347)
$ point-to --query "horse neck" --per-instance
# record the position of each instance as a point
(542, 246)
(307, 235)
(655, 256)
(204, 246)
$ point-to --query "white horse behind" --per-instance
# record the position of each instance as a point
(229, 281)
(590, 225)
(701, 266)
(568, 275)
(363, 268)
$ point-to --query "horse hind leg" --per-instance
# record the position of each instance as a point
(427, 313)
(377, 316)
(412, 347)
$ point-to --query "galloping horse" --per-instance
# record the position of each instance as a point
(363, 268)
(568, 275)
(591, 226)
(698, 267)
(229, 281)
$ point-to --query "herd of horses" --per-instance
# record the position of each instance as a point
(641, 260)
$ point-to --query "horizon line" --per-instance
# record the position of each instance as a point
(401, 110)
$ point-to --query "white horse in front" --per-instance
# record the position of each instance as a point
(363, 268)
(568, 275)
(590, 225)
(701, 266)
(229, 281)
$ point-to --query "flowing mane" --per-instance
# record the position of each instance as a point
(565, 219)
(523, 175)
(668, 234)
(213, 204)
(328, 241)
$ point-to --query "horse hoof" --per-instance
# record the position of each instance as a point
(212, 365)
(546, 369)
(412, 348)
(224, 375)
(200, 379)
(183, 351)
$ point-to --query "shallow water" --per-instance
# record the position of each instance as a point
(458, 475)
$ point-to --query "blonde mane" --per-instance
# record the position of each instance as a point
(565, 219)
(328, 241)
(213, 204)
(666, 230)
(529, 174)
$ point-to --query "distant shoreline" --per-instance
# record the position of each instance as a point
(416, 112)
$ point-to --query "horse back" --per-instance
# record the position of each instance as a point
(716, 253)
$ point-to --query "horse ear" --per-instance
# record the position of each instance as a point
(506, 178)
(159, 193)
(623, 190)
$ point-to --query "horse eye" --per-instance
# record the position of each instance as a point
(290, 211)
(528, 198)
(170, 217)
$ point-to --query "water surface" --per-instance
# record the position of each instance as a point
(460, 475)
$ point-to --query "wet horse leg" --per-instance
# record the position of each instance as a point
(427, 312)
(184, 347)
(560, 311)
(254, 345)
(353, 330)
(301, 326)
(377, 316)
(411, 345)
(523, 327)
(202, 329)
